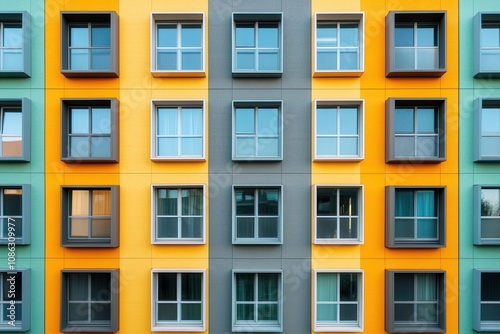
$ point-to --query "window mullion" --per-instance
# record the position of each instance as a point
(338, 45)
(89, 297)
(256, 127)
(337, 135)
(256, 213)
(89, 219)
(415, 44)
(256, 298)
(179, 296)
(179, 131)
(179, 46)
(89, 46)
(179, 213)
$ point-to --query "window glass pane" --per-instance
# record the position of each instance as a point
(427, 58)
(245, 312)
(80, 202)
(167, 286)
(167, 35)
(268, 147)
(268, 35)
(404, 36)
(101, 36)
(326, 121)
(426, 287)
(348, 312)
(101, 228)
(326, 201)
(403, 287)
(426, 203)
(101, 202)
(404, 228)
(427, 312)
(426, 120)
(490, 35)
(79, 228)
(79, 147)
(79, 36)
(167, 312)
(79, 59)
(404, 312)
(192, 202)
(166, 202)
(490, 146)
(349, 35)
(191, 312)
(191, 35)
(12, 35)
(245, 146)
(167, 121)
(79, 120)
(191, 146)
(348, 287)
(245, 201)
(100, 147)
(78, 312)
(349, 59)
(6, 285)
(268, 227)
(349, 228)
(78, 287)
(166, 60)
(245, 287)
(245, 227)
(12, 122)
(490, 121)
(100, 289)
(327, 146)
(192, 121)
(245, 122)
(268, 202)
(192, 227)
(490, 228)
(101, 59)
(348, 120)
(268, 287)
(490, 312)
(167, 227)
(427, 146)
(490, 287)
(427, 228)
(191, 287)
(101, 312)
(268, 60)
(101, 120)
(404, 203)
(326, 228)
(403, 120)
(348, 146)
(267, 120)
(404, 146)
(245, 60)
(12, 59)
(191, 60)
(326, 35)
(326, 312)
(245, 35)
(490, 202)
(427, 35)
(327, 287)
(167, 147)
(404, 58)
(327, 60)
(267, 312)
(348, 202)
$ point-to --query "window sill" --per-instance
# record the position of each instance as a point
(256, 242)
(487, 159)
(423, 160)
(177, 328)
(338, 328)
(178, 159)
(89, 328)
(257, 74)
(88, 160)
(94, 244)
(421, 328)
(337, 73)
(337, 242)
(417, 244)
(14, 74)
(415, 73)
(89, 74)
(338, 159)
(487, 74)
(178, 242)
(178, 74)
(253, 327)
(256, 159)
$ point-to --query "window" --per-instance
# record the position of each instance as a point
(179, 214)
(415, 301)
(15, 300)
(257, 44)
(178, 44)
(89, 44)
(257, 215)
(15, 214)
(338, 300)
(257, 301)
(89, 300)
(15, 129)
(486, 309)
(415, 130)
(416, 43)
(339, 128)
(339, 44)
(486, 130)
(90, 130)
(487, 44)
(338, 214)
(15, 44)
(486, 215)
(257, 130)
(89, 216)
(415, 217)
(178, 130)
(178, 300)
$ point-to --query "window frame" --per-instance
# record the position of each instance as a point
(478, 325)
(25, 323)
(424, 16)
(478, 239)
(360, 105)
(179, 18)
(154, 238)
(178, 325)
(339, 18)
(360, 215)
(339, 326)
(66, 105)
(66, 326)
(479, 19)
(113, 241)
(390, 132)
(237, 18)
(479, 105)
(390, 216)
(25, 105)
(25, 239)
(70, 17)
(255, 326)
(257, 105)
(256, 240)
(24, 18)
(155, 104)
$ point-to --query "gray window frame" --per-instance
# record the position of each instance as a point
(391, 326)
(478, 325)
(255, 18)
(390, 229)
(66, 105)
(111, 242)
(24, 19)
(478, 239)
(479, 19)
(68, 18)
(25, 324)
(424, 16)
(256, 326)
(25, 239)
(256, 240)
(390, 114)
(479, 104)
(25, 105)
(113, 326)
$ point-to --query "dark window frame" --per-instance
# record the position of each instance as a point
(24, 19)
(479, 19)
(25, 105)
(478, 324)
(25, 323)
(479, 105)
(478, 238)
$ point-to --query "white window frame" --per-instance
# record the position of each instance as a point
(339, 18)
(177, 17)
(178, 326)
(154, 238)
(478, 219)
(176, 104)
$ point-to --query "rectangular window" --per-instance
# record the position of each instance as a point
(257, 301)
(415, 301)
(338, 214)
(178, 130)
(178, 45)
(415, 217)
(257, 130)
(338, 301)
(89, 300)
(15, 126)
(90, 216)
(179, 214)
(15, 300)
(89, 44)
(15, 214)
(487, 44)
(15, 44)
(178, 300)
(339, 127)
(486, 215)
(339, 44)
(486, 308)
(89, 130)
(415, 130)
(257, 44)
(416, 44)
(257, 215)
(486, 130)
